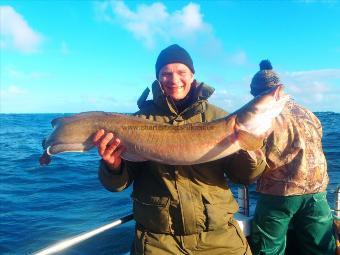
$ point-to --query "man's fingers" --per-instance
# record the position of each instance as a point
(114, 158)
(104, 142)
(117, 156)
(114, 142)
(98, 136)
(111, 147)
(120, 150)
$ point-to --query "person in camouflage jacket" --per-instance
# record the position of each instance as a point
(293, 186)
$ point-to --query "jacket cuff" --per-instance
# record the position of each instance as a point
(113, 181)
(107, 170)
(244, 168)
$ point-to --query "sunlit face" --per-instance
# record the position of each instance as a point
(176, 79)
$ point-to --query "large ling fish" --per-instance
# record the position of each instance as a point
(174, 145)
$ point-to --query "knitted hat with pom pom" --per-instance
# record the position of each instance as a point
(264, 79)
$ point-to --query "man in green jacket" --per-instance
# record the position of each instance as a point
(179, 209)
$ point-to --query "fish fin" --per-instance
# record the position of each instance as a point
(248, 141)
(92, 113)
(132, 157)
(62, 120)
(57, 121)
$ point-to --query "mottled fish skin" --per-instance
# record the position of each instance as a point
(174, 145)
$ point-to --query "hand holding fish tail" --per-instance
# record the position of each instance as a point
(109, 148)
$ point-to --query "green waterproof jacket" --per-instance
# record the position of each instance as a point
(182, 200)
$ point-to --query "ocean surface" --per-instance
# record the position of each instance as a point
(42, 205)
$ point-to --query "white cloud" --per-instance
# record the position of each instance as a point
(15, 74)
(189, 19)
(101, 9)
(315, 81)
(16, 33)
(315, 74)
(12, 90)
(317, 89)
(149, 23)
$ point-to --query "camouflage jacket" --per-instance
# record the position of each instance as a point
(296, 162)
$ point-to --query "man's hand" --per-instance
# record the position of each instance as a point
(109, 148)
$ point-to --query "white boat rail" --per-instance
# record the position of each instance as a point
(82, 237)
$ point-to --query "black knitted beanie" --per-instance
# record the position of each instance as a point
(173, 54)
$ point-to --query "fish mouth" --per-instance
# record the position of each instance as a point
(67, 147)
(51, 150)
(48, 151)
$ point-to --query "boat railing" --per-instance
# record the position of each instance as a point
(60, 246)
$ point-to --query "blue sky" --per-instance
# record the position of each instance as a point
(74, 56)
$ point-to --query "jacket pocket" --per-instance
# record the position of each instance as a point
(218, 210)
(152, 213)
(217, 217)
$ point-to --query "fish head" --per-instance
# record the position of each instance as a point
(70, 136)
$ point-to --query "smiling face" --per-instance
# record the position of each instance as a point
(176, 79)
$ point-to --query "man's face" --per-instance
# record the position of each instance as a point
(176, 79)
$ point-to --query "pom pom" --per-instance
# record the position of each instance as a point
(265, 65)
